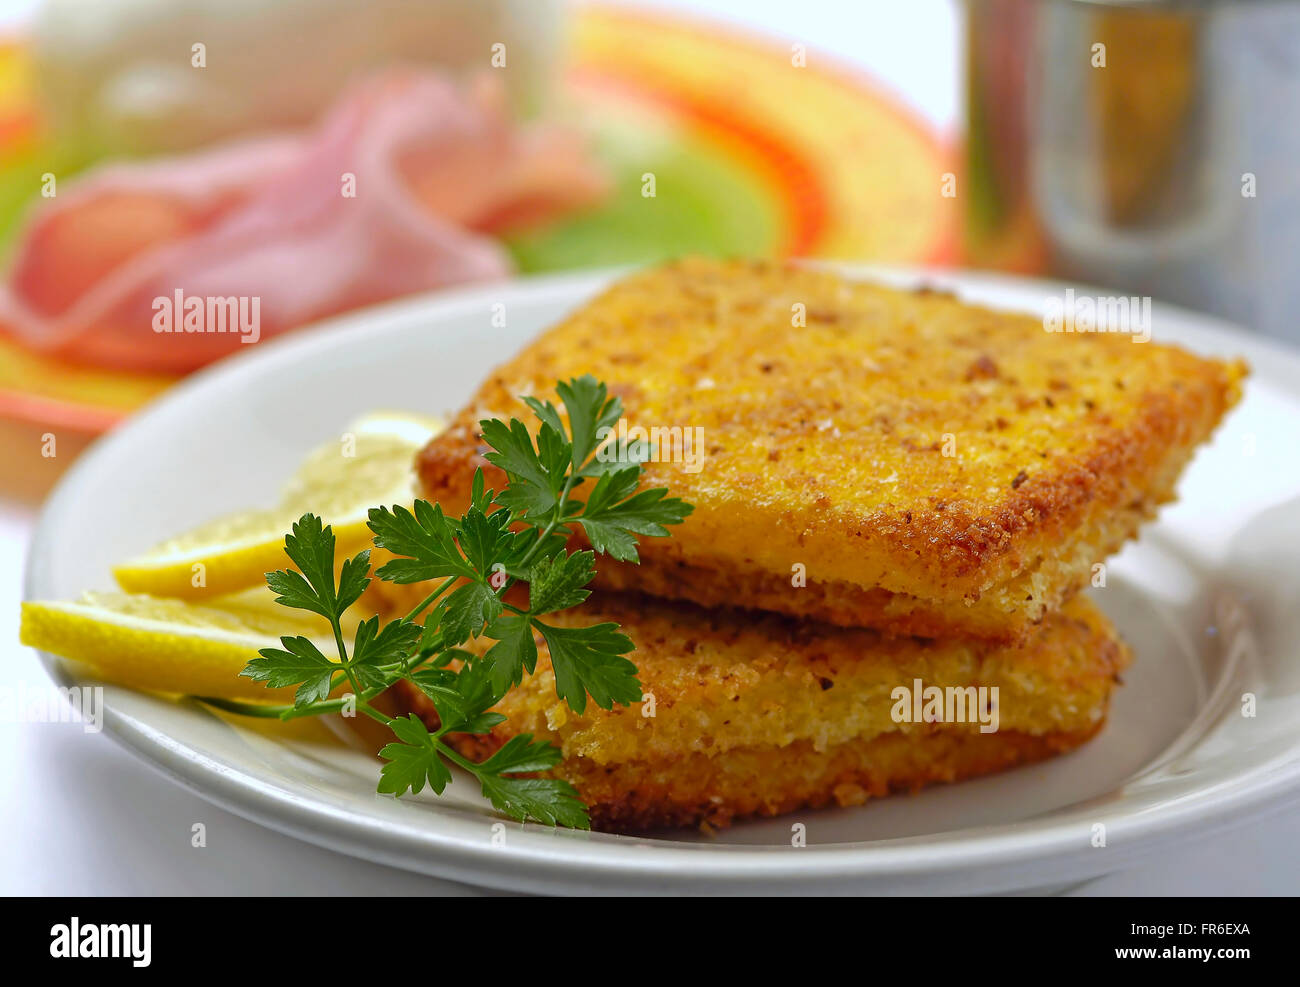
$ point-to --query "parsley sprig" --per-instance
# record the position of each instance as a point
(564, 479)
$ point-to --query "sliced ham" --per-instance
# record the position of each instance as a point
(395, 193)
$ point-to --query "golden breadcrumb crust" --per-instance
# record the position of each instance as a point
(695, 790)
(747, 712)
(890, 442)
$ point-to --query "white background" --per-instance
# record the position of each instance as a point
(80, 816)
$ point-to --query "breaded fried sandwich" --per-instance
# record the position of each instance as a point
(913, 463)
(896, 498)
(746, 715)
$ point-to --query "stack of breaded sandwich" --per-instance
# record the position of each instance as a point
(898, 498)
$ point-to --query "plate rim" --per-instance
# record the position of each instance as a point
(1015, 854)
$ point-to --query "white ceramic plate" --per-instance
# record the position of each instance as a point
(1209, 599)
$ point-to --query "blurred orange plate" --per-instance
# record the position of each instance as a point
(854, 174)
(38, 389)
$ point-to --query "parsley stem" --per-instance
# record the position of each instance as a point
(283, 712)
(424, 604)
(327, 705)
(373, 713)
(456, 758)
(338, 640)
(343, 654)
(265, 710)
(268, 711)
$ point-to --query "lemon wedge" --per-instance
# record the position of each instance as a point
(173, 646)
(370, 463)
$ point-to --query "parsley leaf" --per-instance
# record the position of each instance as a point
(300, 661)
(413, 761)
(465, 612)
(354, 577)
(545, 411)
(462, 699)
(617, 454)
(590, 412)
(535, 479)
(588, 661)
(521, 754)
(373, 647)
(514, 653)
(556, 582)
(310, 546)
(615, 512)
(425, 539)
(548, 800)
(486, 539)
